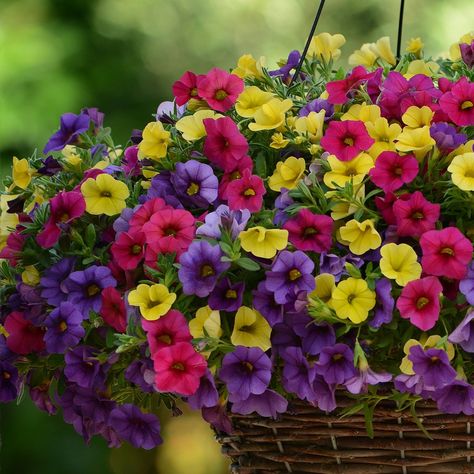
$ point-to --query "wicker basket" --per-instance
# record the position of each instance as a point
(306, 440)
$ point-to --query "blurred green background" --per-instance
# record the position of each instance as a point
(122, 56)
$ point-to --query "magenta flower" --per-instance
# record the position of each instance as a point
(246, 193)
(392, 171)
(446, 253)
(346, 139)
(458, 103)
(419, 302)
(467, 54)
(185, 88)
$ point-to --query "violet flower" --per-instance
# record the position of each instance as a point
(466, 285)
(385, 303)
(83, 368)
(464, 333)
(268, 404)
(223, 218)
(298, 375)
(336, 364)
(206, 396)
(264, 302)
(71, 126)
(456, 397)
(9, 382)
(227, 296)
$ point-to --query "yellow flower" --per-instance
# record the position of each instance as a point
(251, 329)
(399, 262)
(383, 50)
(154, 301)
(287, 174)
(462, 171)
(155, 141)
(362, 236)
(341, 209)
(365, 113)
(278, 141)
(206, 323)
(417, 140)
(344, 171)
(71, 155)
(21, 173)
(364, 56)
(311, 125)
(250, 101)
(104, 195)
(326, 46)
(461, 149)
(3, 331)
(384, 136)
(271, 115)
(455, 51)
(353, 299)
(8, 221)
(30, 276)
(263, 242)
(325, 284)
(418, 66)
(415, 117)
(192, 127)
(415, 46)
(247, 66)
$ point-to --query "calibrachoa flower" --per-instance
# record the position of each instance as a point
(353, 299)
(52, 283)
(462, 171)
(464, 333)
(336, 364)
(128, 250)
(466, 285)
(71, 127)
(392, 171)
(287, 174)
(385, 303)
(104, 195)
(399, 262)
(154, 144)
(250, 329)
(268, 404)
(224, 219)
(23, 337)
(113, 310)
(185, 88)
(458, 103)
(9, 382)
(246, 193)
(263, 242)
(227, 296)
(154, 301)
(83, 368)
(456, 397)
(361, 236)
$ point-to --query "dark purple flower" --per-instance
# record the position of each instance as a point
(336, 364)
(385, 303)
(53, 288)
(206, 395)
(136, 136)
(335, 265)
(283, 201)
(141, 430)
(161, 187)
(466, 285)
(131, 165)
(95, 115)
(9, 382)
(467, 54)
(291, 272)
(85, 288)
(64, 328)
(456, 397)
(224, 219)
(227, 296)
(317, 105)
(31, 303)
(264, 302)
(83, 368)
(267, 404)
(325, 394)
(50, 167)
(71, 126)
(446, 137)
(245, 371)
(200, 268)
(464, 333)
(121, 224)
(285, 69)
(360, 382)
(195, 183)
(283, 336)
(298, 375)
(433, 366)
(314, 337)
(141, 373)
(39, 395)
(217, 417)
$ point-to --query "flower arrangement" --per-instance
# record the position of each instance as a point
(271, 235)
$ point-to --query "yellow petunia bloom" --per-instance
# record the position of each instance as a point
(8, 221)
(353, 299)
(192, 127)
(428, 68)
(455, 51)
(278, 141)
(415, 117)
(343, 172)
(104, 195)
(248, 66)
(251, 329)
(311, 125)
(399, 262)
(341, 209)
(383, 50)
(271, 115)
(462, 171)
(21, 172)
(415, 46)
(325, 284)
(71, 155)
(206, 323)
(384, 135)
(30, 276)
(154, 301)
(287, 174)
(326, 46)
(416, 140)
(364, 56)
(362, 236)
(263, 242)
(250, 101)
(155, 141)
(364, 112)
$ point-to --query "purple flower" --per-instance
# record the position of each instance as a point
(195, 183)
(200, 267)
(335, 265)
(283, 336)
(325, 394)
(298, 375)
(446, 137)
(9, 382)
(141, 373)
(40, 397)
(285, 69)
(385, 303)
(95, 115)
(217, 417)
(141, 430)
(206, 395)
(267, 404)
(227, 296)
(64, 328)
(317, 105)
(161, 187)
(85, 288)
(466, 285)
(245, 371)
(53, 286)
(283, 201)
(83, 368)
(464, 333)
(314, 337)
(467, 54)
(264, 302)
(223, 218)
(121, 224)
(411, 384)
(456, 397)
(336, 364)
(168, 108)
(433, 366)
(50, 167)
(31, 303)
(71, 126)
(364, 378)
(291, 272)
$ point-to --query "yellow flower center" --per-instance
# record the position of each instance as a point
(64, 217)
(193, 92)
(447, 251)
(235, 175)
(178, 366)
(294, 274)
(62, 326)
(417, 215)
(434, 359)
(165, 338)
(310, 231)
(170, 231)
(349, 141)
(106, 194)
(351, 172)
(231, 294)
(136, 249)
(248, 366)
(193, 189)
(221, 94)
(350, 298)
(249, 192)
(398, 171)
(422, 302)
(336, 357)
(467, 104)
(6, 375)
(92, 290)
(469, 173)
(207, 270)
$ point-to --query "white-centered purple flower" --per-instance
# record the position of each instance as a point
(223, 218)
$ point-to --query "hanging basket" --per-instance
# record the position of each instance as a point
(307, 440)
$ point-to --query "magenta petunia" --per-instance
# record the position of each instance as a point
(128, 249)
(458, 103)
(185, 88)
(392, 171)
(246, 193)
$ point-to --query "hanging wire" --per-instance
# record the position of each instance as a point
(308, 41)
(400, 25)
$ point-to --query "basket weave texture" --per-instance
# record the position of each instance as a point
(307, 440)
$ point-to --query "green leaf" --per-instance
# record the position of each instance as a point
(248, 264)
(369, 418)
(261, 165)
(90, 236)
(418, 421)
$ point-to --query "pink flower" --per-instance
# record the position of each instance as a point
(166, 331)
(346, 139)
(128, 249)
(224, 144)
(220, 89)
(458, 103)
(415, 215)
(14, 246)
(419, 302)
(113, 310)
(392, 171)
(178, 369)
(236, 172)
(143, 214)
(24, 338)
(161, 247)
(385, 206)
(308, 231)
(246, 193)
(185, 88)
(446, 253)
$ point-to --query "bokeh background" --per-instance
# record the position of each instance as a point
(122, 56)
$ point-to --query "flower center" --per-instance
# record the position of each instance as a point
(418, 215)
(249, 192)
(207, 270)
(336, 357)
(349, 141)
(166, 338)
(310, 231)
(193, 92)
(434, 359)
(178, 366)
(193, 189)
(106, 194)
(248, 366)
(447, 251)
(170, 231)
(469, 173)
(231, 294)
(294, 274)
(351, 172)
(235, 175)
(350, 298)
(467, 104)
(422, 302)
(136, 249)
(398, 171)
(6, 375)
(221, 94)
(92, 290)
(62, 326)
(246, 329)
(64, 217)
